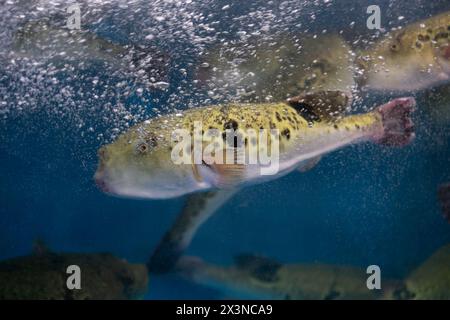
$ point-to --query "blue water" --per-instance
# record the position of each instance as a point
(362, 205)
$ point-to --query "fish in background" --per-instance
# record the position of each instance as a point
(47, 40)
(444, 197)
(276, 68)
(410, 58)
(258, 277)
(42, 275)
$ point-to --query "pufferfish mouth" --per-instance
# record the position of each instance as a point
(101, 183)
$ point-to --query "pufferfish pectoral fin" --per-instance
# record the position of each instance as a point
(323, 105)
(228, 173)
(198, 208)
(309, 164)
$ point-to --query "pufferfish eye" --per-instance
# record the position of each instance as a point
(142, 148)
(395, 47)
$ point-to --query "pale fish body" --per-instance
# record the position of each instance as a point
(139, 163)
(410, 58)
(292, 64)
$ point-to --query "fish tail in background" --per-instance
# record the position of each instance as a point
(196, 211)
(397, 126)
(444, 197)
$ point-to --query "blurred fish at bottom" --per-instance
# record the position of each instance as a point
(431, 280)
(258, 277)
(42, 276)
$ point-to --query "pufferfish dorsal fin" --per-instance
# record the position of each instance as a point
(259, 267)
(322, 105)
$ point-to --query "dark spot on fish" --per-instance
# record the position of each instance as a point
(423, 38)
(394, 47)
(231, 124)
(357, 126)
(448, 28)
(152, 141)
(441, 35)
(277, 115)
(347, 128)
(246, 141)
(429, 30)
(336, 127)
(272, 125)
(419, 45)
(286, 133)
(332, 295)
(142, 148)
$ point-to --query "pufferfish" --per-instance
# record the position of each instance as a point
(414, 57)
(139, 163)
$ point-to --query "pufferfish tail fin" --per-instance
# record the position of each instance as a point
(199, 207)
(444, 197)
(397, 127)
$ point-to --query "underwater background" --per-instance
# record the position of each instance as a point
(360, 206)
